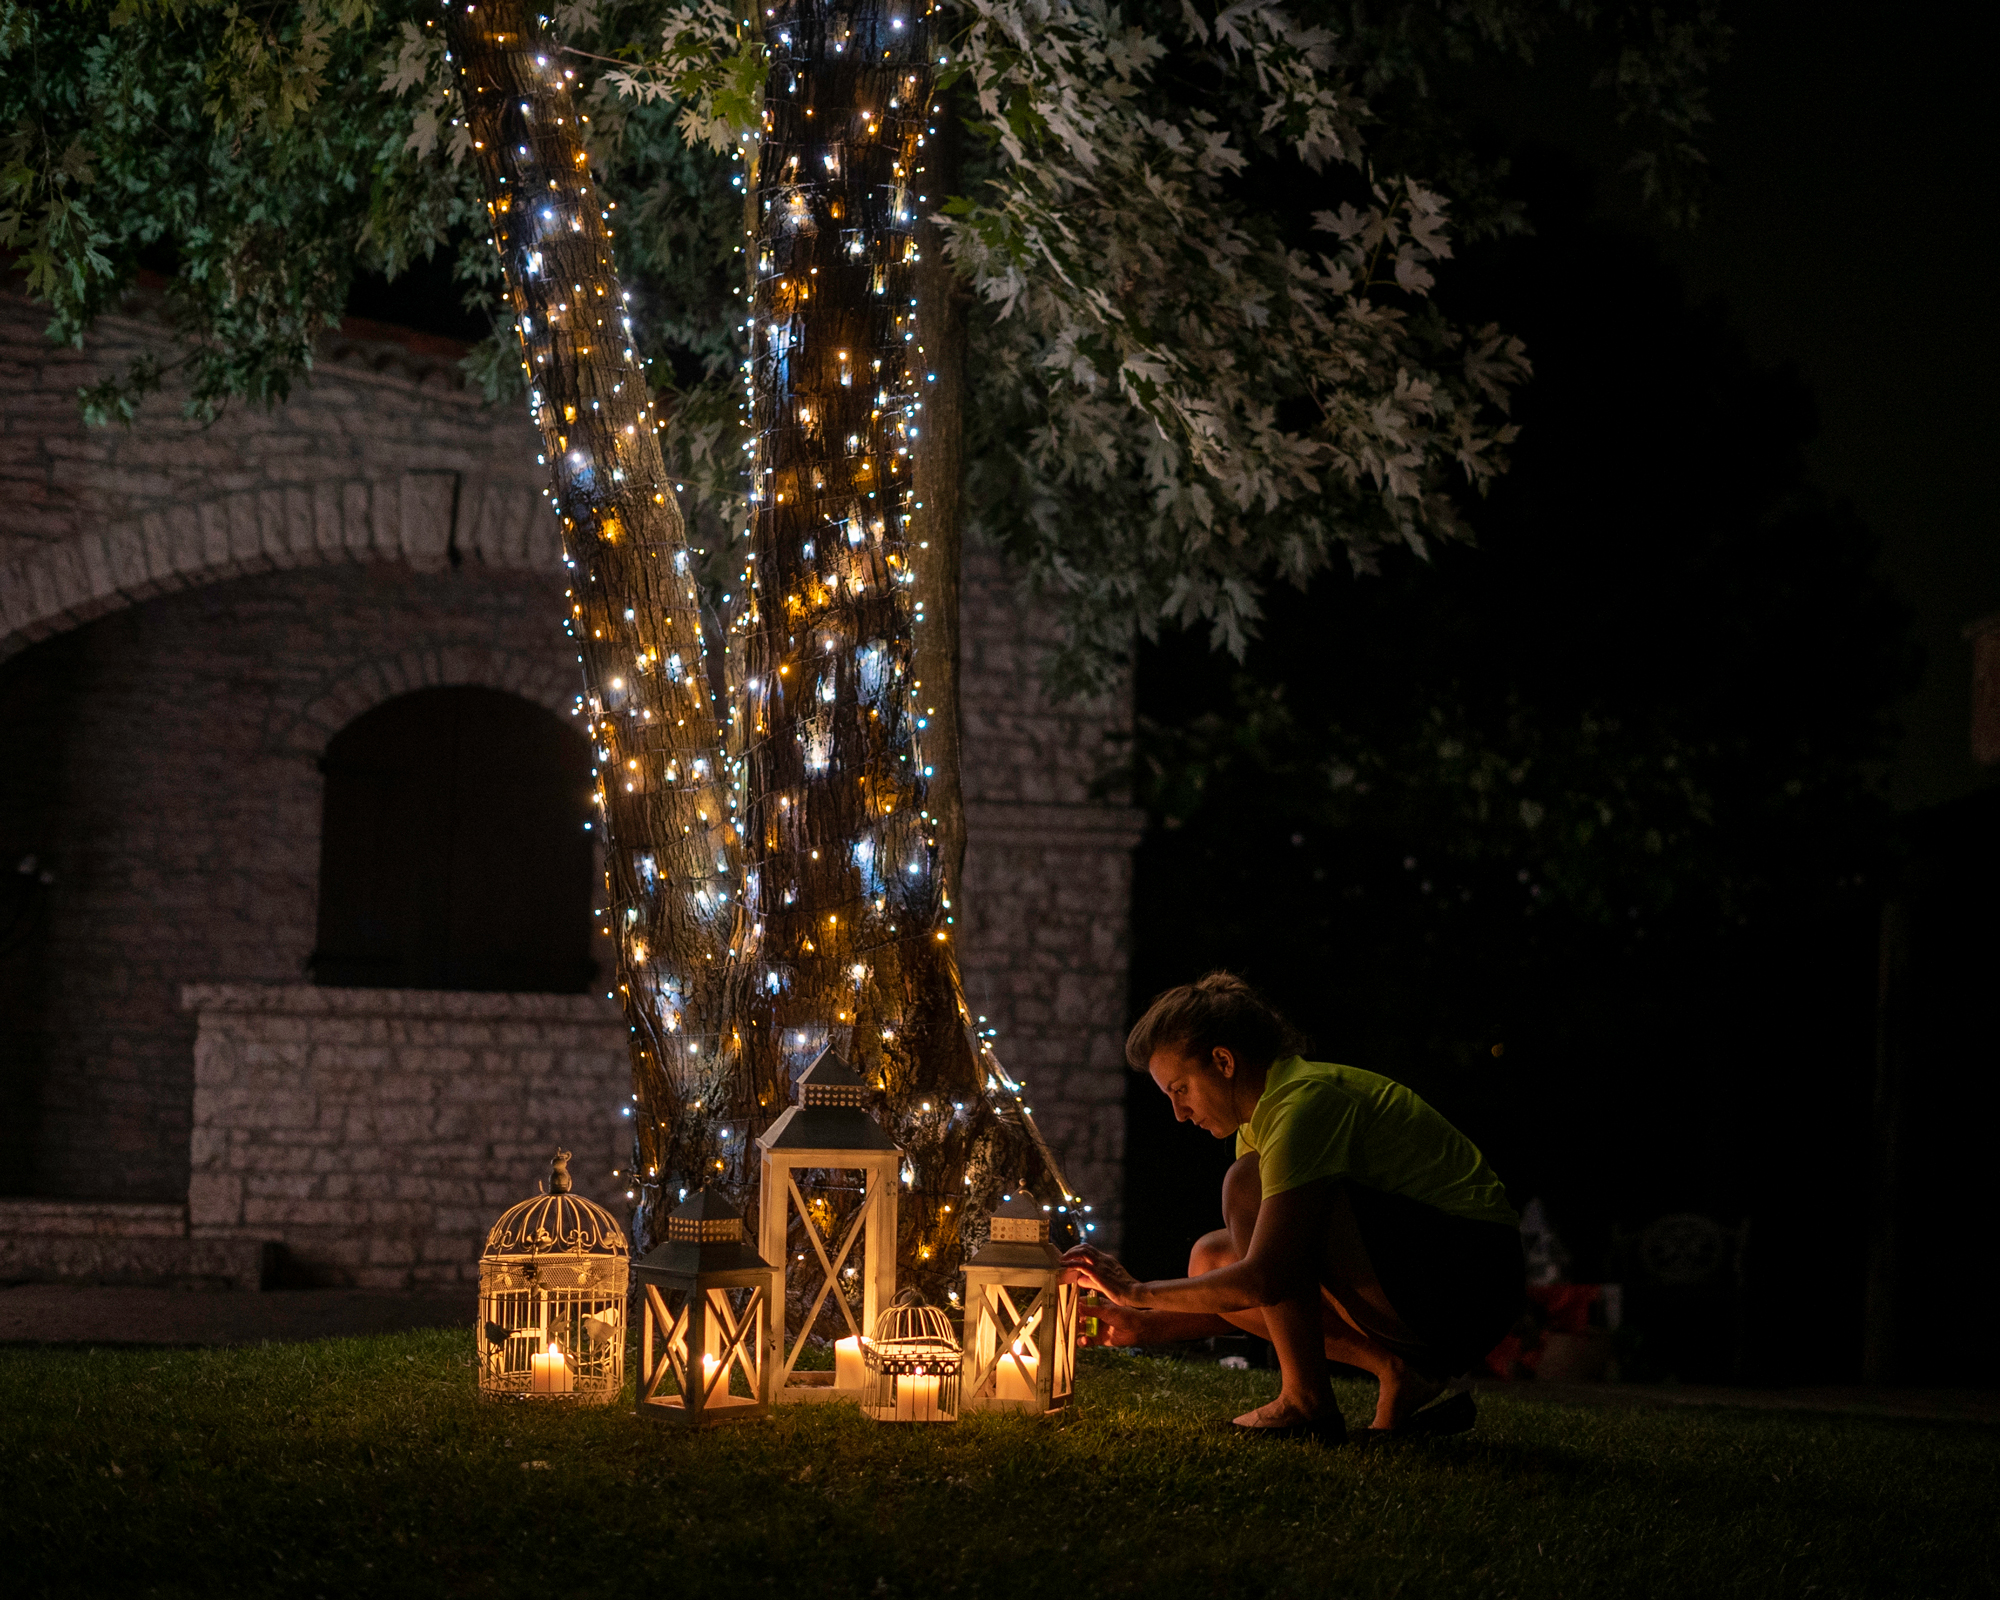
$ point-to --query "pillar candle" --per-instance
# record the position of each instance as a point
(1011, 1383)
(916, 1398)
(849, 1370)
(551, 1373)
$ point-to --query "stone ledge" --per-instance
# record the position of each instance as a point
(139, 1263)
(309, 1000)
(92, 1219)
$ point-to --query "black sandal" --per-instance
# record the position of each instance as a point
(1330, 1430)
(1454, 1413)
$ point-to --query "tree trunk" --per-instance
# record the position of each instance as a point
(672, 850)
(938, 460)
(824, 922)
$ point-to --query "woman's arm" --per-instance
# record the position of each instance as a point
(1282, 1264)
(1121, 1326)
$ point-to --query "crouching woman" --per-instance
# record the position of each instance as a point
(1359, 1226)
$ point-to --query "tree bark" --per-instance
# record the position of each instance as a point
(671, 849)
(939, 467)
(788, 891)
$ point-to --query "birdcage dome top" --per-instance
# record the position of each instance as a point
(557, 1221)
(911, 1328)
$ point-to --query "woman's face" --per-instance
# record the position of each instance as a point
(1200, 1088)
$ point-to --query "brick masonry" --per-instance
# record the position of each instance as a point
(191, 615)
(377, 1133)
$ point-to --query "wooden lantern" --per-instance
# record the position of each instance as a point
(1020, 1317)
(709, 1317)
(914, 1365)
(829, 1130)
(552, 1299)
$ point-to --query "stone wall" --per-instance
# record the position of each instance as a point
(192, 614)
(1048, 884)
(162, 763)
(377, 1134)
(382, 455)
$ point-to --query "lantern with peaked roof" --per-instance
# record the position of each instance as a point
(552, 1299)
(1020, 1317)
(710, 1319)
(827, 1132)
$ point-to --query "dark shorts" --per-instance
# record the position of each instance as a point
(1457, 1284)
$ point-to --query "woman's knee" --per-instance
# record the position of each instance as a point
(1242, 1195)
(1211, 1251)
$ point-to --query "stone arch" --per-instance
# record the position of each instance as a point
(425, 520)
(551, 682)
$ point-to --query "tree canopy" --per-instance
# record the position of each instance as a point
(1198, 247)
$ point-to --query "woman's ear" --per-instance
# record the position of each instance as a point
(1224, 1061)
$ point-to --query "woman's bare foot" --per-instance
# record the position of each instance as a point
(1404, 1391)
(1282, 1412)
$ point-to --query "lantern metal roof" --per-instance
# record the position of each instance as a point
(704, 1237)
(556, 1222)
(831, 1112)
(1017, 1236)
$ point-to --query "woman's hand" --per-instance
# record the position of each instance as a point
(1100, 1270)
(1120, 1327)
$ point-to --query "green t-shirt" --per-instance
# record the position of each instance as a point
(1317, 1120)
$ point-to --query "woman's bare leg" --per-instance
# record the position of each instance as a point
(1350, 1321)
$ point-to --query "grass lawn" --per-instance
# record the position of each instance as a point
(366, 1466)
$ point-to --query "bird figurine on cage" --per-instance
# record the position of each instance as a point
(552, 1284)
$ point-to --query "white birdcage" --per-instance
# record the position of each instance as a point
(552, 1285)
(913, 1365)
(1020, 1317)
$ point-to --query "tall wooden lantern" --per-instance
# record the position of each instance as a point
(829, 1130)
(552, 1299)
(711, 1319)
(1020, 1317)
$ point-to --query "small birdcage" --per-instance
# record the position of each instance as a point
(552, 1299)
(913, 1365)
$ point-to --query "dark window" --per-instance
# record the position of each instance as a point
(453, 853)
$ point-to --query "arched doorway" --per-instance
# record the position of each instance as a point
(453, 851)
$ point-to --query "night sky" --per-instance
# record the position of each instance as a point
(1851, 235)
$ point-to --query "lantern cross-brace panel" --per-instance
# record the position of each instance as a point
(1020, 1317)
(829, 1130)
(708, 1315)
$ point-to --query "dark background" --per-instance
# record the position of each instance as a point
(453, 850)
(1748, 522)
(1748, 509)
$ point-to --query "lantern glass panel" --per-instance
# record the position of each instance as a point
(728, 1328)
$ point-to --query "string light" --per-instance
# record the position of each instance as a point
(759, 931)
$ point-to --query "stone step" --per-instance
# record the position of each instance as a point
(117, 1219)
(124, 1244)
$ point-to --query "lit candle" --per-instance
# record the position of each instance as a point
(1014, 1383)
(552, 1374)
(916, 1398)
(849, 1370)
(709, 1363)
